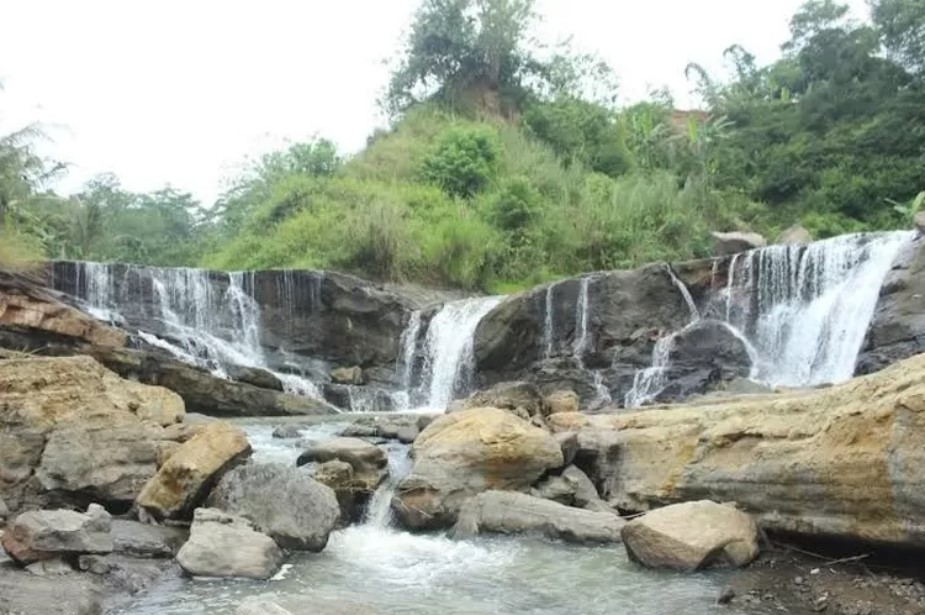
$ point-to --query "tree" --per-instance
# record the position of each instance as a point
(464, 52)
(902, 28)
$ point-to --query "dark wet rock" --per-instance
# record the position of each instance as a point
(285, 503)
(704, 356)
(223, 545)
(627, 312)
(147, 541)
(359, 430)
(255, 376)
(897, 329)
(287, 432)
(358, 398)
(568, 442)
(506, 512)
(692, 536)
(48, 534)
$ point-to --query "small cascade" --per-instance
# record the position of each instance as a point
(685, 293)
(379, 510)
(409, 339)
(806, 309)
(549, 331)
(581, 320)
(448, 348)
(648, 383)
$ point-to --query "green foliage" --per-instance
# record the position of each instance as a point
(464, 162)
(578, 130)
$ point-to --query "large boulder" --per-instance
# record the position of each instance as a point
(254, 376)
(282, 502)
(24, 593)
(845, 462)
(347, 375)
(47, 534)
(223, 545)
(507, 512)
(465, 453)
(184, 481)
(725, 244)
(692, 536)
(72, 432)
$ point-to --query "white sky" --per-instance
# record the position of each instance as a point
(181, 92)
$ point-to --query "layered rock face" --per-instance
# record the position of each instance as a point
(848, 461)
(317, 314)
(72, 432)
(551, 336)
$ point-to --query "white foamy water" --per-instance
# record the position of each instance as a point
(448, 348)
(807, 308)
(208, 329)
(391, 571)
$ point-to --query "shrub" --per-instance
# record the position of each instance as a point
(464, 162)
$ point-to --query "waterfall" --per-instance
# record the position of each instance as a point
(581, 320)
(802, 311)
(448, 348)
(379, 510)
(806, 309)
(685, 293)
(202, 327)
(408, 344)
(549, 332)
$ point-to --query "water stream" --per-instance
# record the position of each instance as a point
(448, 349)
(390, 571)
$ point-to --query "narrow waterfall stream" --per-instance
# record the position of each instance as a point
(387, 570)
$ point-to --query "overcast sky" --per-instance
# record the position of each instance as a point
(182, 91)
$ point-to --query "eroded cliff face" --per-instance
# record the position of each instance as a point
(319, 315)
(846, 462)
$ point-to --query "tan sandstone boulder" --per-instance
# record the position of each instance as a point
(692, 536)
(71, 430)
(223, 545)
(182, 482)
(468, 452)
(847, 462)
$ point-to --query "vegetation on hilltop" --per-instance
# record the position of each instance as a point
(508, 163)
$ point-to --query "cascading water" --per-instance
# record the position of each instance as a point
(649, 382)
(801, 310)
(806, 309)
(409, 339)
(200, 326)
(448, 348)
(549, 331)
(583, 340)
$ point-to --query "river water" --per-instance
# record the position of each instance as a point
(391, 571)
